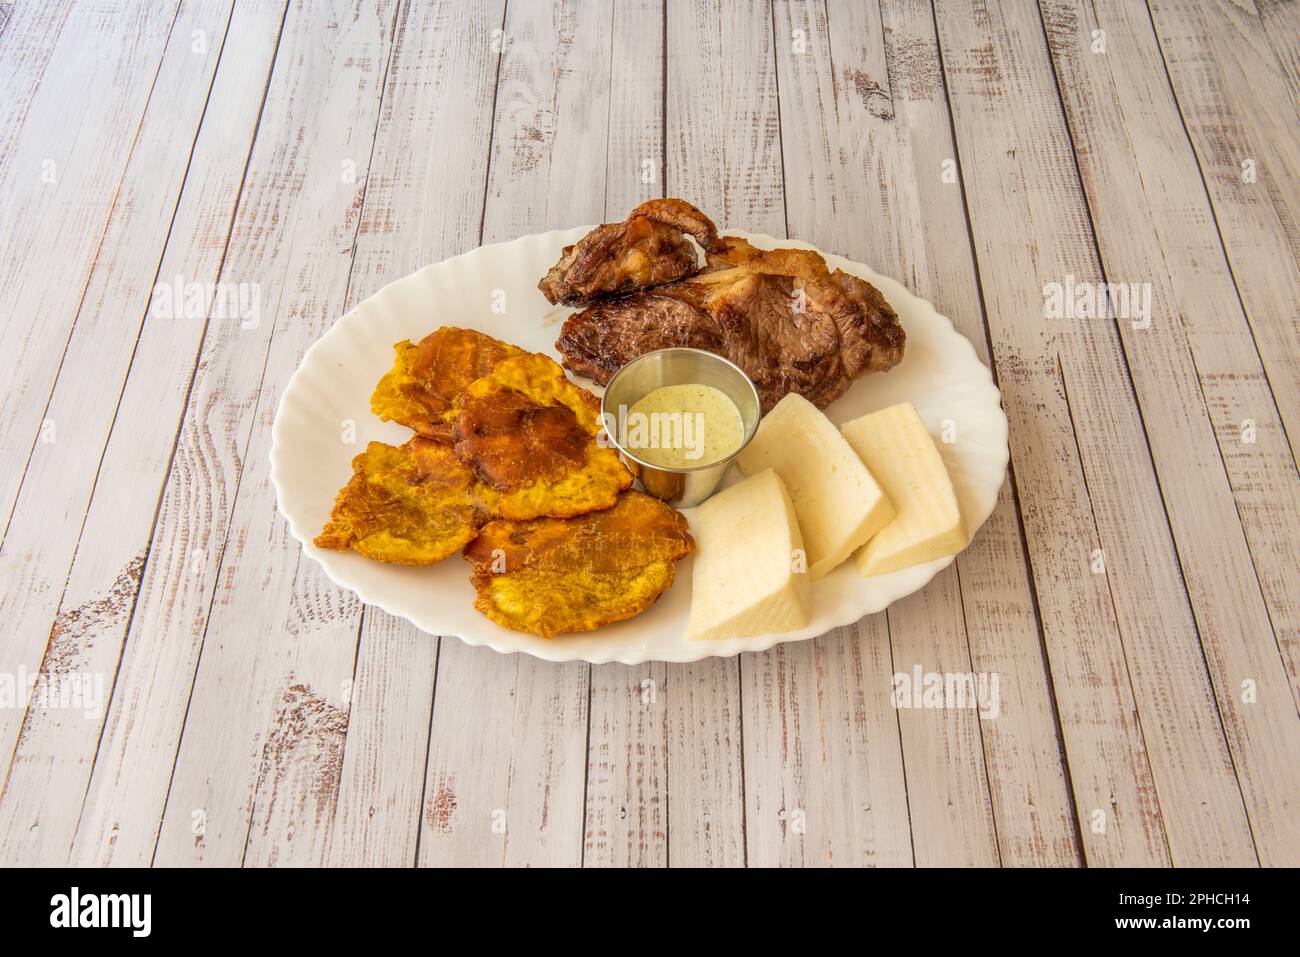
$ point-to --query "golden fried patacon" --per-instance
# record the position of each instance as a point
(420, 390)
(413, 504)
(530, 433)
(551, 576)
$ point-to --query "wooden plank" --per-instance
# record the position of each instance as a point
(28, 36)
(626, 822)
(817, 784)
(627, 812)
(1281, 20)
(273, 714)
(377, 812)
(58, 190)
(293, 236)
(1234, 104)
(1137, 710)
(1197, 376)
(1231, 99)
(877, 116)
(706, 810)
(422, 206)
(424, 203)
(295, 692)
(420, 143)
(720, 119)
(507, 751)
(948, 799)
(156, 230)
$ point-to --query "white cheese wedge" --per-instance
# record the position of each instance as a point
(749, 576)
(838, 502)
(902, 456)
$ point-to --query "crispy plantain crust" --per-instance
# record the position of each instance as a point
(420, 390)
(552, 576)
(530, 433)
(413, 504)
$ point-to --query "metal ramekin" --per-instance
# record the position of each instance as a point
(684, 487)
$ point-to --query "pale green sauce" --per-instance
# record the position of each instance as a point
(684, 426)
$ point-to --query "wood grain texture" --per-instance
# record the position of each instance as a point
(1135, 590)
(706, 80)
(1241, 120)
(28, 36)
(508, 745)
(1281, 20)
(942, 759)
(627, 799)
(292, 236)
(1233, 103)
(59, 187)
(424, 202)
(381, 782)
(822, 772)
(715, 115)
(867, 105)
(1137, 710)
(1196, 376)
(275, 712)
(112, 441)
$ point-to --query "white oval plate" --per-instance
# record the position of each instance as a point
(494, 289)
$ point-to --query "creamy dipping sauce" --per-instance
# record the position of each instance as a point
(683, 426)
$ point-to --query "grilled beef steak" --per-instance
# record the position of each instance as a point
(781, 315)
(648, 249)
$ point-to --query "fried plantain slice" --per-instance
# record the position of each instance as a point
(421, 388)
(550, 576)
(529, 432)
(413, 504)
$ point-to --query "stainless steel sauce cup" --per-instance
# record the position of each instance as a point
(682, 487)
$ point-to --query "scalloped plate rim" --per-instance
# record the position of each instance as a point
(508, 642)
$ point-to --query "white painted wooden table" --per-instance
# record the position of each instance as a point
(207, 697)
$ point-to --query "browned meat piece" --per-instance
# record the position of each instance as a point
(781, 315)
(647, 249)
